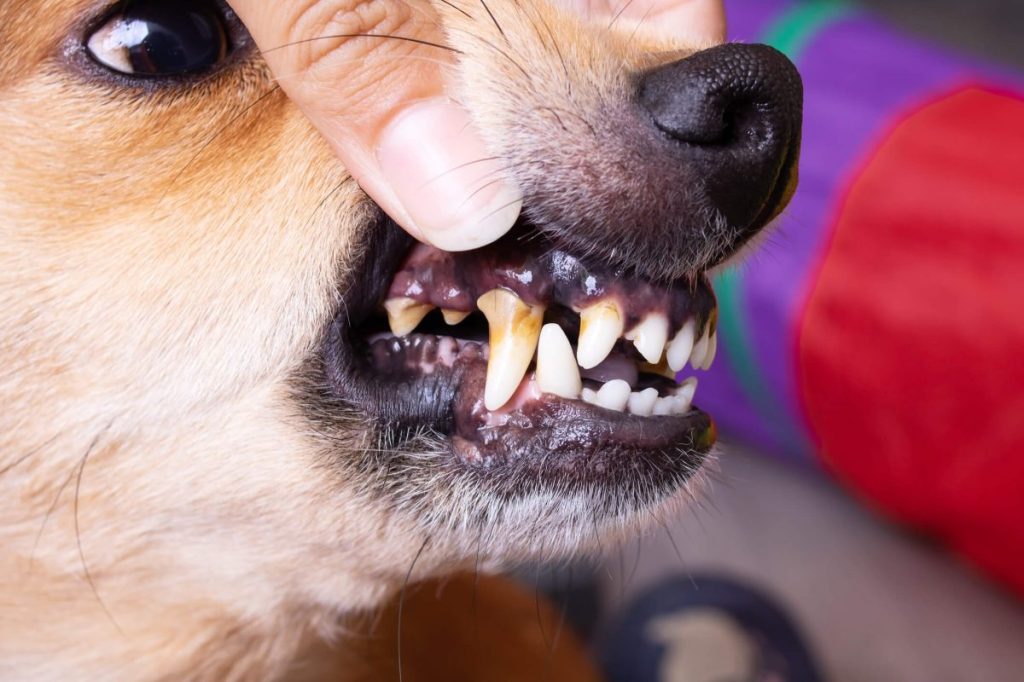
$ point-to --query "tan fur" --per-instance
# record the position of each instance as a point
(167, 261)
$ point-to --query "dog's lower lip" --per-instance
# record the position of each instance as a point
(447, 400)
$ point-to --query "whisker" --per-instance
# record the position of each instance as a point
(401, 603)
(457, 9)
(618, 14)
(335, 36)
(28, 454)
(496, 24)
(78, 533)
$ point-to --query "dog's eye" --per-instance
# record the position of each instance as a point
(161, 38)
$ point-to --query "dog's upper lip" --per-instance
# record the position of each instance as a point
(448, 398)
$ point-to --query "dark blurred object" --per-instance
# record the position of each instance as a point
(989, 28)
(706, 628)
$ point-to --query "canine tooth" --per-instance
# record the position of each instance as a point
(600, 327)
(404, 314)
(613, 395)
(514, 331)
(642, 403)
(681, 346)
(700, 351)
(556, 367)
(453, 317)
(650, 336)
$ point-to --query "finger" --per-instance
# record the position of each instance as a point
(698, 23)
(370, 76)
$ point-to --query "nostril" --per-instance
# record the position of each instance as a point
(706, 97)
(734, 112)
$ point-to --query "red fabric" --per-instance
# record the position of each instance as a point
(911, 346)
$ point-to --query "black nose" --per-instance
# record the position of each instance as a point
(733, 112)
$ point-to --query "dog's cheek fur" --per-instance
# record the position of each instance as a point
(162, 274)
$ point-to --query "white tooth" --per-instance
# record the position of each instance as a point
(600, 327)
(514, 330)
(686, 389)
(556, 367)
(642, 403)
(684, 395)
(650, 336)
(613, 395)
(405, 313)
(700, 351)
(709, 357)
(453, 317)
(589, 395)
(679, 349)
(663, 406)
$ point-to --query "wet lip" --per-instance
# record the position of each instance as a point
(475, 347)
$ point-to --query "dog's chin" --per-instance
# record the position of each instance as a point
(404, 399)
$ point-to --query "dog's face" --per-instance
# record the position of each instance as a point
(207, 420)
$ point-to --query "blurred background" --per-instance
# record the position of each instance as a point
(869, 388)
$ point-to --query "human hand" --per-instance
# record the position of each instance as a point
(371, 78)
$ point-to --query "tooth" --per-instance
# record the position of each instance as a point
(600, 327)
(709, 357)
(679, 348)
(642, 403)
(453, 317)
(700, 351)
(613, 395)
(589, 395)
(684, 394)
(660, 369)
(650, 336)
(405, 313)
(663, 407)
(514, 330)
(556, 367)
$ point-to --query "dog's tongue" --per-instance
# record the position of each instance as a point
(519, 284)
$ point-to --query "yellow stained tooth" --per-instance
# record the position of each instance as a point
(661, 369)
(404, 314)
(601, 325)
(514, 331)
(453, 317)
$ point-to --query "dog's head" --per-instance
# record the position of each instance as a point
(206, 416)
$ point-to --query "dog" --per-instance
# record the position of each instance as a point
(239, 404)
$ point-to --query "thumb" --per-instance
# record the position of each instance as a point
(369, 75)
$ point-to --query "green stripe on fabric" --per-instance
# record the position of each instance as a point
(791, 33)
(794, 30)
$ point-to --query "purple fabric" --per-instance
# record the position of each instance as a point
(748, 20)
(860, 79)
